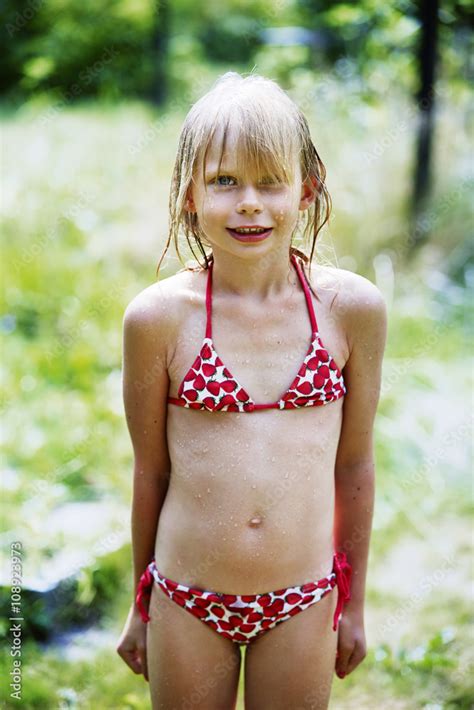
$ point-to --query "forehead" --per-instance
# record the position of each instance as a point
(245, 154)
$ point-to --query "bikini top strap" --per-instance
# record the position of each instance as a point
(303, 281)
(209, 300)
(307, 292)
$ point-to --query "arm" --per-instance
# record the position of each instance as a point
(146, 333)
(366, 328)
(145, 389)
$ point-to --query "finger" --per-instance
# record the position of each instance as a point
(131, 659)
(143, 661)
(344, 653)
(357, 657)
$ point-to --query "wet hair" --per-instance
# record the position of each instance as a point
(271, 132)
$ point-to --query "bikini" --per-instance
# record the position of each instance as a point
(209, 385)
(242, 618)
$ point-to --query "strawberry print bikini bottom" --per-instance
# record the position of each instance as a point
(243, 618)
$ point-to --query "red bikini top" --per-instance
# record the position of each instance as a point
(210, 386)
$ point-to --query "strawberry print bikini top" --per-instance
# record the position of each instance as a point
(209, 385)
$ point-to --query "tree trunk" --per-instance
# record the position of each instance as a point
(160, 35)
(427, 62)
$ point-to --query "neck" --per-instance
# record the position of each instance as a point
(272, 276)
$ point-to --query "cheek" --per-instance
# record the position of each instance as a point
(285, 211)
(213, 206)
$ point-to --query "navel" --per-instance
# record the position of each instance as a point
(256, 521)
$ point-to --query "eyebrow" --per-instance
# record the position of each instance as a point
(213, 169)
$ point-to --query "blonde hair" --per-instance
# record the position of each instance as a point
(272, 130)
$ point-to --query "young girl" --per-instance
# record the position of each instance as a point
(250, 386)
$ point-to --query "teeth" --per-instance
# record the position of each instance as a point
(251, 230)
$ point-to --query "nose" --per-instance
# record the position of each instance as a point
(249, 201)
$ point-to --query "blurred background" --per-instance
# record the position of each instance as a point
(93, 98)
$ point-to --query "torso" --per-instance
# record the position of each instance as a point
(250, 502)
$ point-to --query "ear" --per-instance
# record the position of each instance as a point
(309, 189)
(189, 205)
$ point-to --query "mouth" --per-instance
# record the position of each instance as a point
(250, 234)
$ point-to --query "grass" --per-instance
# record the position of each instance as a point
(84, 224)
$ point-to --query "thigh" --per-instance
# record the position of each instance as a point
(292, 665)
(189, 664)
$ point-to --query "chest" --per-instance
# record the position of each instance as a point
(263, 348)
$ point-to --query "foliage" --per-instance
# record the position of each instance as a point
(84, 224)
(71, 49)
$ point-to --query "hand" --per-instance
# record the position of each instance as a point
(351, 644)
(132, 643)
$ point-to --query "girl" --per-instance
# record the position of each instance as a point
(250, 386)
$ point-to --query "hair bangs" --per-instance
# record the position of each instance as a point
(245, 139)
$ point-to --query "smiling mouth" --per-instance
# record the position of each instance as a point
(249, 230)
(250, 234)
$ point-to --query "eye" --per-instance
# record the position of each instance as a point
(216, 180)
(268, 180)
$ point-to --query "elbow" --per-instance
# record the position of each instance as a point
(361, 471)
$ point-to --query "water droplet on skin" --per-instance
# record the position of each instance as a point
(254, 486)
(273, 458)
(208, 490)
(286, 475)
(199, 495)
(245, 478)
(235, 525)
(308, 478)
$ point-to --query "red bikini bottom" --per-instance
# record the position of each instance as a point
(243, 618)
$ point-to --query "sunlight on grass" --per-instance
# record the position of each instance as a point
(85, 219)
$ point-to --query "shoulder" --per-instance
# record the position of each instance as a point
(153, 315)
(355, 291)
(160, 301)
(359, 303)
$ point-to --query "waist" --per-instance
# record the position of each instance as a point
(242, 553)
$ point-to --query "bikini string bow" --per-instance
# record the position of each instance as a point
(343, 572)
(144, 591)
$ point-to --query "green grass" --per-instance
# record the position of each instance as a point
(85, 214)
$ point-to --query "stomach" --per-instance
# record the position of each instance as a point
(250, 502)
